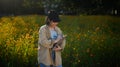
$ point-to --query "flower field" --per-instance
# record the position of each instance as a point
(92, 41)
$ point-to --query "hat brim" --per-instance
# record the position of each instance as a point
(56, 20)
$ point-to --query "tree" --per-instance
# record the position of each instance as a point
(33, 6)
(9, 6)
(51, 5)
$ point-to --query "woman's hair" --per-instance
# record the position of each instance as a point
(47, 21)
(52, 16)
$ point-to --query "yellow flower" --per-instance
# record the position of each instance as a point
(74, 48)
(78, 60)
(98, 28)
(27, 36)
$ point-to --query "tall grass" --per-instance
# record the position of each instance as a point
(92, 41)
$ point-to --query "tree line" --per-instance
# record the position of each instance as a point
(69, 7)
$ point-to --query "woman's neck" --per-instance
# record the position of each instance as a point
(52, 27)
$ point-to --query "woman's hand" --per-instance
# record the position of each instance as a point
(58, 38)
(57, 48)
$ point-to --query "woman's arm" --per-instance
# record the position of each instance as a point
(43, 40)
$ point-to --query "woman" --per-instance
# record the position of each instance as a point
(49, 35)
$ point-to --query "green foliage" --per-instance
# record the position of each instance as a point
(18, 41)
(92, 41)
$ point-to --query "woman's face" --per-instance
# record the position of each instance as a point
(53, 24)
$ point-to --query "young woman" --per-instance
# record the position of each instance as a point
(49, 35)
